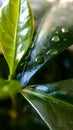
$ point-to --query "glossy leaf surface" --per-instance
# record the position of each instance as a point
(16, 30)
(54, 35)
(8, 88)
(53, 102)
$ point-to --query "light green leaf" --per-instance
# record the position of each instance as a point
(8, 88)
(16, 31)
(54, 35)
(53, 102)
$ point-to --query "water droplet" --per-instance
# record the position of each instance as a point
(39, 60)
(56, 32)
(55, 39)
(48, 52)
(22, 64)
(53, 52)
(65, 30)
(65, 39)
(44, 47)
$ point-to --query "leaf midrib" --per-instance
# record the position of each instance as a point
(40, 95)
(15, 40)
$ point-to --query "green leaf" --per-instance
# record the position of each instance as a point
(16, 31)
(53, 102)
(4, 69)
(8, 88)
(54, 35)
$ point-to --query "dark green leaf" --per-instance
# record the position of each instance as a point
(8, 88)
(16, 31)
(4, 69)
(53, 102)
(54, 35)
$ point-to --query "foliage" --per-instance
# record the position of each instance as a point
(25, 53)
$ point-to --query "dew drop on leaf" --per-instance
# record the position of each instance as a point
(22, 64)
(65, 30)
(53, 52)
(65, 39)
(57, 32)
(44, 47)
(55, 39)
(39, 60)
(48, 52)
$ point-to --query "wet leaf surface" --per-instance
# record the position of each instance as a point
(53, 102)
(54, 35)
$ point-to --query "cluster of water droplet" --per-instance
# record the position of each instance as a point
(57, 38)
